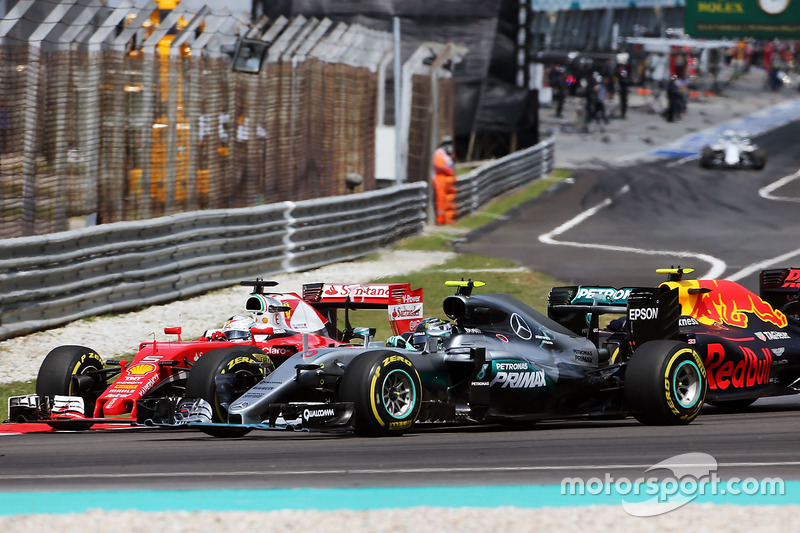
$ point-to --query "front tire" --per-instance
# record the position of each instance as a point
(239, 365)
(665, 383)
(72, 371)
(386, 391)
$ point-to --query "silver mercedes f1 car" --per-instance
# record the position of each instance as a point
(498, 361)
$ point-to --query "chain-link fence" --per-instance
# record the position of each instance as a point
(123, 131)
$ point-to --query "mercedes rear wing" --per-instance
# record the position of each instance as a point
(649, 313)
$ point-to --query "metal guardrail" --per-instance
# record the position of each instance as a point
(504, 175)
(53, 279)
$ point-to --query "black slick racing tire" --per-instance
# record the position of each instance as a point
(66, 371)
(386, 392)
(732, 405)
(665, 383)
(244, 364)
(760, 160)
(706, 157)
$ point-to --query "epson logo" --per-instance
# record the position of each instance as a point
(646, 313)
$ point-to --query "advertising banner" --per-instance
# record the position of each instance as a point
(763, 19)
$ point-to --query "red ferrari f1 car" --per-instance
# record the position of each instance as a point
(75, 388)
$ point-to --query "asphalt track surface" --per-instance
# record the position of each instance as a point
(760, 441)
(666, 205)
(615, 226)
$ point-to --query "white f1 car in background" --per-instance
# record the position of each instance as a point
(733, 150)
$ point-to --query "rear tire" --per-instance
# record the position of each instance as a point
(236, 361)
(386, 391)
(665, 383)
(760, 160)
(58, 376)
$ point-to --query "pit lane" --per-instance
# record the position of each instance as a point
(617, 225)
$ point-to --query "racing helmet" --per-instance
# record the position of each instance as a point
(237, 327)
(429, 327)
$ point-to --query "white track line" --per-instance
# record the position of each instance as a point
(761, 265)
(382, 471)
(766, 192)
(717, 265)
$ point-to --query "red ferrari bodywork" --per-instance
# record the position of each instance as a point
(285, 323)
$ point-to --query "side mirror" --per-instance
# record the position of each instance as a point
(174, 331)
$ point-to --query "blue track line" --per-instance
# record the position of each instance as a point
(756, 124)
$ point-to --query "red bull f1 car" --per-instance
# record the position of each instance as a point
(498, 361)
(76, 388)
(749, 343)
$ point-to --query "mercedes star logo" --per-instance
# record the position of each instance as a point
(519, 326)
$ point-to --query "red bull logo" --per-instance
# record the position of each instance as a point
(724, 302)
(752, 370)
(792, 280)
